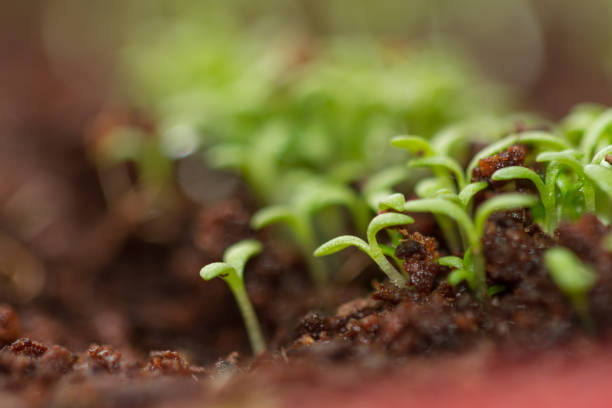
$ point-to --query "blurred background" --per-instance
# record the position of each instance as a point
(136, 138)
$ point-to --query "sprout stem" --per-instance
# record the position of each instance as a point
(251, 322)
(398, 279)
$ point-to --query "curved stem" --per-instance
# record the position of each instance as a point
(376, 252)
(390, 252)
(251, 322)
(398, 279)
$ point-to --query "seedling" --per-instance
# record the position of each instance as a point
(461, 269)
(371, 248)
(231, 270)
(299, 214)
(573, 277)
(469, 191)
(434, 188)
(472, 229)
(445, 168)
(594, 133)
(568, 158)
(442, 167)
(546, 190)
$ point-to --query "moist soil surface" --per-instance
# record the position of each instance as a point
(369, 342)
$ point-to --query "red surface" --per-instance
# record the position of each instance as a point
(578, 377)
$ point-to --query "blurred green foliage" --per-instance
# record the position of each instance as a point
(290, 101)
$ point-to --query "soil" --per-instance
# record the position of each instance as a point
(337, 343)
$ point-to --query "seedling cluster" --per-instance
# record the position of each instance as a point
(565, 172)
(568, 169)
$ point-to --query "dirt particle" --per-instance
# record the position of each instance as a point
(409, 248)
(420, 253)
(167, 363)
(27, 347)
(104, 356)
(513, 156)
(422, 275)
(418, 246)
(313, 324)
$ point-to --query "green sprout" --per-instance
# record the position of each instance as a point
(462, 269)
(594, 133)
(573, 277)
(231, 270)
(435, 188)
(444, 169)
(469, 191)
(546, 189)
(472, 229)
(416, 145)
(568, 158)
(299, 213)
(371, 248)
